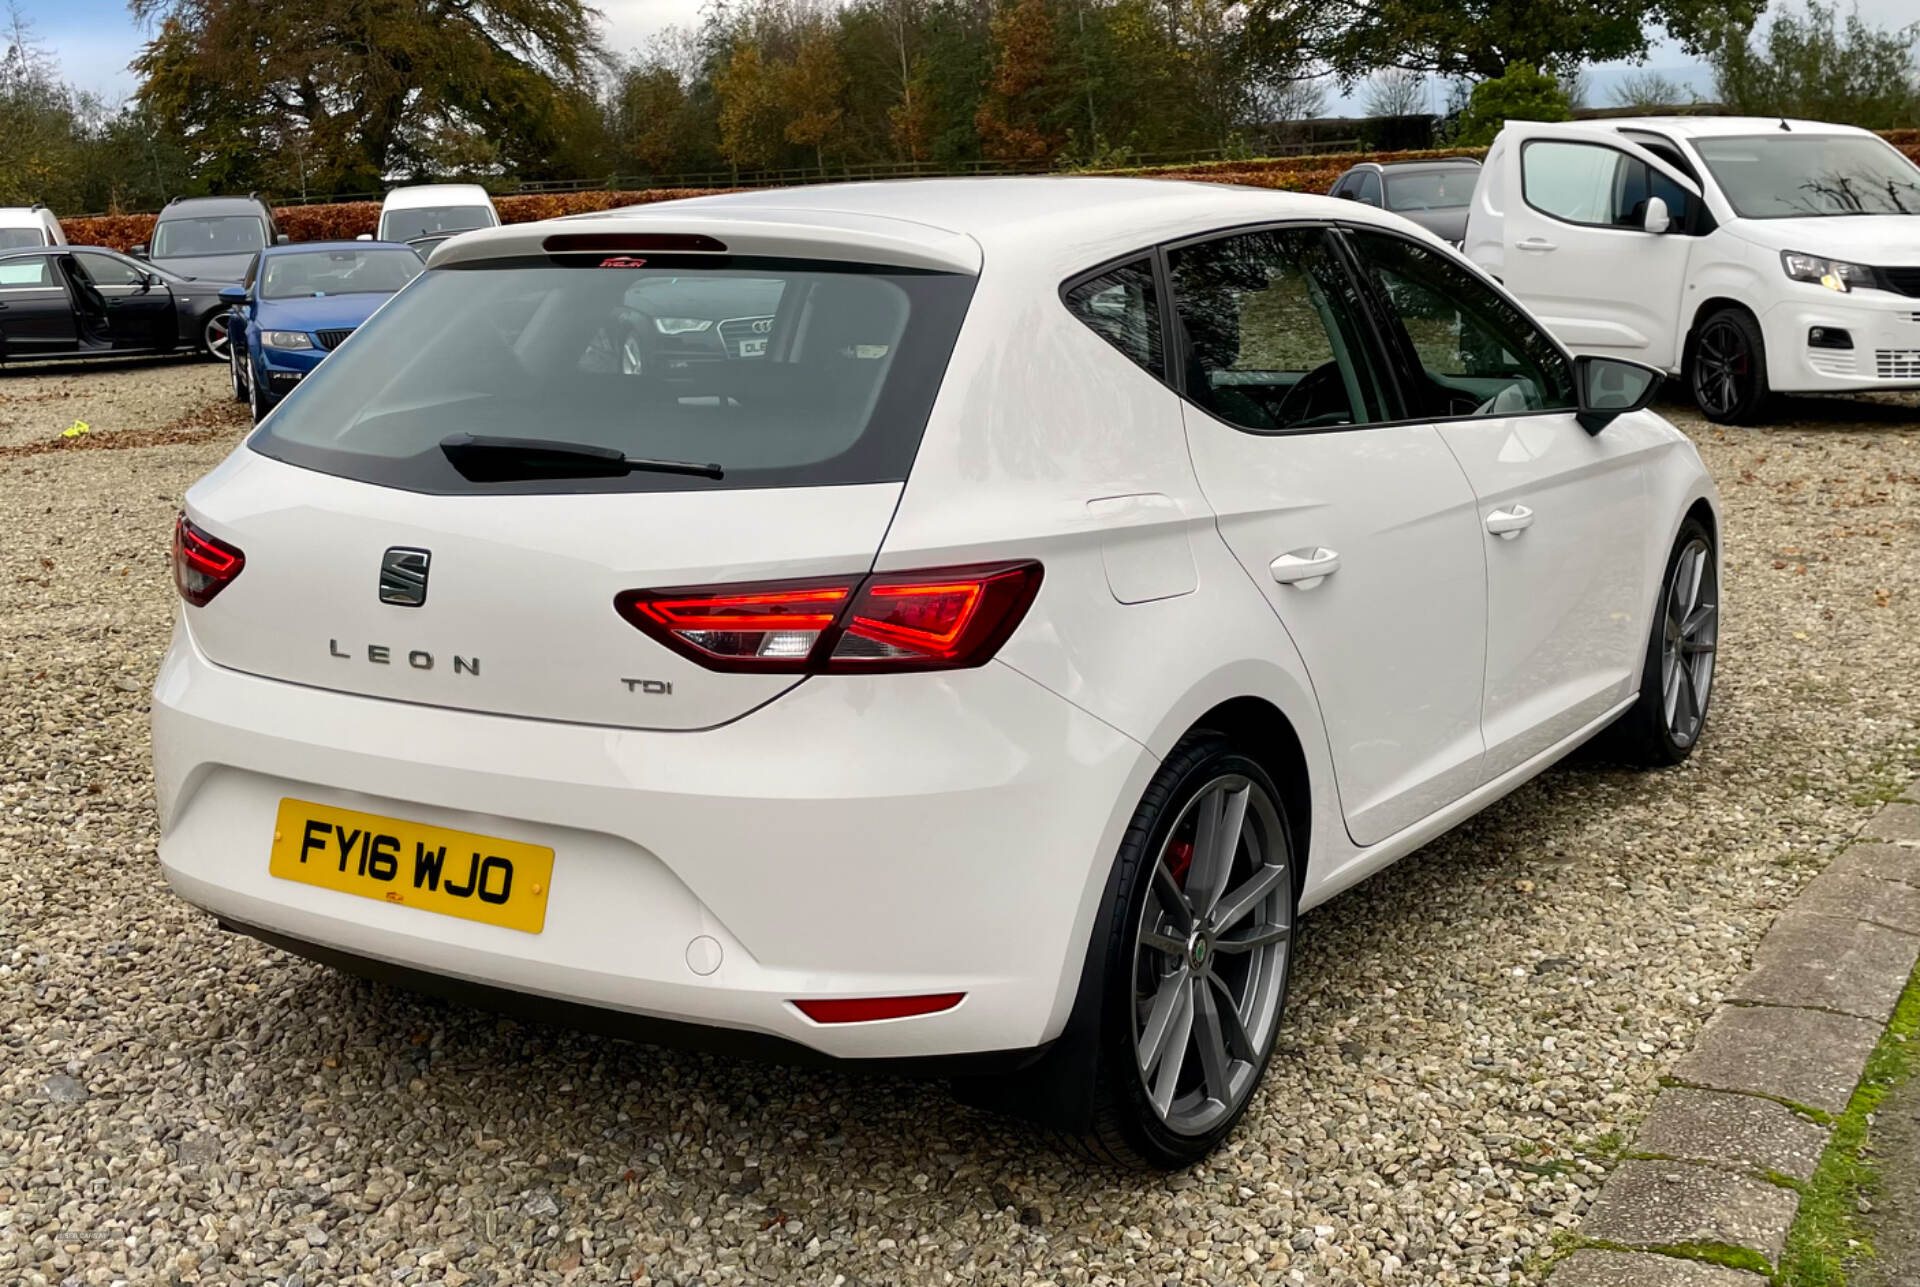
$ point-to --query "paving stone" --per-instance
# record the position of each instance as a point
(1898, 821)
(1880, 861)
(1735, 1130)
(1643, 1269)
(1806, 1056)
(1863, 899)
(1831, 964)
(1663, 1204)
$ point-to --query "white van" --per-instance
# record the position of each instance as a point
(427, 214)
(1749, 255)
(23, 227)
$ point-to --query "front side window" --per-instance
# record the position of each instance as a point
(1122, 308)
(1272, 332)
(1474, 352)
(1369, 188)
(307, 274)
(1790, 176)
(105, 270)
(784, 373)
(215, 235)
(1594, 184)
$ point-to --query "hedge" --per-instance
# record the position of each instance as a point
(348, 219)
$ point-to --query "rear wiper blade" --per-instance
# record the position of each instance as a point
(481, 458)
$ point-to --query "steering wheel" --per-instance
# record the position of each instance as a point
(1300, 400)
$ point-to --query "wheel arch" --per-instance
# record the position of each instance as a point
(1262, 730)
(1708, 307)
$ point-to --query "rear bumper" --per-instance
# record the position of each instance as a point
(887, 835)
(1884, 329)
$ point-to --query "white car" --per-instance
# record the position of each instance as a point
(1749, 255)
(1084, 578)
(426, 214)
(24, 227)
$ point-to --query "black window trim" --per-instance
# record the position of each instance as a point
(1696, 201)
(1405, 363)
(1151, 254)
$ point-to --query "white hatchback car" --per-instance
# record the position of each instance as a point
(953, 622)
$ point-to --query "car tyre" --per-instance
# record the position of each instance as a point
(1666, 722)
(256, 400)
(1727, 368)
(233, 372)
(213, 335)
(1206, 1009)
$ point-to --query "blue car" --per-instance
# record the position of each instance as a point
(297, 303)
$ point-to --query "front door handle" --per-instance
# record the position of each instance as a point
(1509, 523)
(1536, 243)
(1304, 569)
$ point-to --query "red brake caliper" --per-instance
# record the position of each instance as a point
(1179, 860)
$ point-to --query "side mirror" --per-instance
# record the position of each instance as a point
(235, 295)
(281, 239)
(365, 236)
(1657, 219)
(139, 251)
(1611, 387)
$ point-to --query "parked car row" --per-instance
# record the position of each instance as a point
(1744, 256)
(199, 275)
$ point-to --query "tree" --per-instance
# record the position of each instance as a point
(751, 130)
(1808, 65)
(812, 90)
(1397, 92)
(1645, 90)
(1478, 39)
(1020, 116)
(1523, 94)
(373, 88)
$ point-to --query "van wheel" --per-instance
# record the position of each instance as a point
(1663, 726)
(1197, 959)
(1728, 369)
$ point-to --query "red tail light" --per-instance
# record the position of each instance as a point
(203, 564)
(944, 619)
(868, 1009)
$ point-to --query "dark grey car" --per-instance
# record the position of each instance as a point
(1434, 194)
(212, 238)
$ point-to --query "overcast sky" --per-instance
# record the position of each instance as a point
(95, 39)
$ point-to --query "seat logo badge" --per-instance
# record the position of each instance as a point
(403, 576)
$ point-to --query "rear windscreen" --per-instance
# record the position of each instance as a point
(784, 373)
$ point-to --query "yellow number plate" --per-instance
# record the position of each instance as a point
(455, 873)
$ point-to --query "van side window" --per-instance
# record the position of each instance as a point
(1590, 183)
(1122, 308)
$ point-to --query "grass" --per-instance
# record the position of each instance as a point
(1826, 1235)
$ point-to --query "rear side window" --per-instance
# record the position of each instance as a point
(1122, 308)
(784, 373)
(27, 271)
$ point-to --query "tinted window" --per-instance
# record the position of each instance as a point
(1475, 352)
(1272, 333)
(21, 238)
(1791, 175)
(1123, 309)
(1369, 187)
(29, 270)
(338, 272)
(1593, 184)
(1448, 189)
(215, 235)
(105, 270)
(427, 221)
(784, 373)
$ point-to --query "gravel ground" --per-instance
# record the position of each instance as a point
(1467, 1029)
(142, 395)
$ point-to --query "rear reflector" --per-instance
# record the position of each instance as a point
(868, 1009)
(203, 564)
(942, 619)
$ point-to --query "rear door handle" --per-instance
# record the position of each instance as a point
(1536, 243)
(1509, 523)
(1304, 569)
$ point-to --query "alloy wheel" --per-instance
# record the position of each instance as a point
(1690, 633)
(214, 336)
(1722, 368)
(1210, 955)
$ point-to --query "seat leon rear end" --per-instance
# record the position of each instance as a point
(841, 623)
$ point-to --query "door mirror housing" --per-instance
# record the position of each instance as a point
(281, 239)
(1657, 218)
(235, 295)
(139, 251)
(1611, 387)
